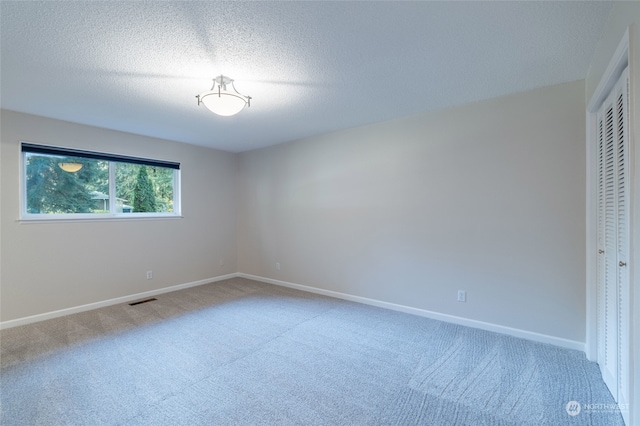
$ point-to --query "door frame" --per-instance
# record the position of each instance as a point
(620, 59)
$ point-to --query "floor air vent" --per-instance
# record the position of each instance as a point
(142, 301)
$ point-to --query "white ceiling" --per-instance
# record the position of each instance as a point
(311, 67)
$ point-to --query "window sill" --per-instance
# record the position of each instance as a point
(101, 218)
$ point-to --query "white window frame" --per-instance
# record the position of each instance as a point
(113, 214)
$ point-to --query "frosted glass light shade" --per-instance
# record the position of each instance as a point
(222, 101)
(70, 167)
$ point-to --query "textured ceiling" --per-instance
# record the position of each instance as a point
(311, 67)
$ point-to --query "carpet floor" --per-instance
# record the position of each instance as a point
(240, 352)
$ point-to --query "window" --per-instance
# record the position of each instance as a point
(61, 183)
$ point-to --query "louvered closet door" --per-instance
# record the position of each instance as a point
(601, 319)
(623, 237)
(608, 300)
(613, 241)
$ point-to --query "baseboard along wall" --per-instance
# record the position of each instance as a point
(524, 334)
(109, 302)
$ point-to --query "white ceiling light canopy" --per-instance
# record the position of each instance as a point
(223, 101)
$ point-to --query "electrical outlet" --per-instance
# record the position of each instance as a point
(277, 266)
(222, 261)
(462, 296)
(149, 275)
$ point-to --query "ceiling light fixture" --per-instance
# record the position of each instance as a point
(70, 167)
(222, 101)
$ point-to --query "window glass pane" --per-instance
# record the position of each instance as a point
(144, 189)
(65, 184)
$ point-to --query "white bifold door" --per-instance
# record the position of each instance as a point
(613, 300)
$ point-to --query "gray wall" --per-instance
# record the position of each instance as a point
(50, 266)
(488, 198)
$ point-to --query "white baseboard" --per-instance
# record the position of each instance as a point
(529, 335)
(117, 300)
(524, 334)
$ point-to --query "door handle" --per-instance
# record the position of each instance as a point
(600, 251)
(622, 263)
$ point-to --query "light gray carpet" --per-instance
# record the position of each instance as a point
(239, 352)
